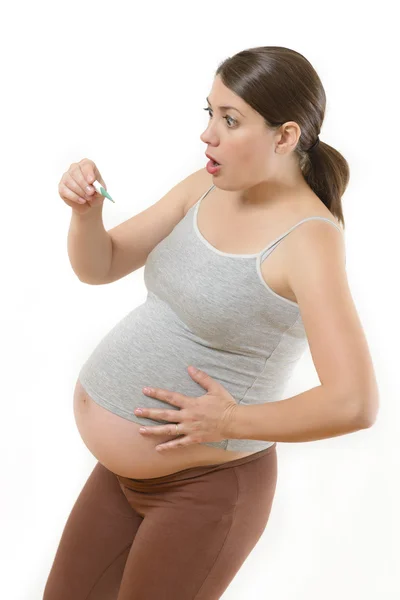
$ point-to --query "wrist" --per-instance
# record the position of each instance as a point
(233, 425)
(93, 212)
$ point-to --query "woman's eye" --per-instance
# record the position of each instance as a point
(229, 119)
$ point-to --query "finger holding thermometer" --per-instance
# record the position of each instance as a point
(100, 190)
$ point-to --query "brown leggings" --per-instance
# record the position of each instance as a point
(183, 536)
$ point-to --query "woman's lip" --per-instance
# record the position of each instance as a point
(211, 158)
(211, 168)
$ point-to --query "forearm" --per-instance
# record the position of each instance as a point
(316, 414)
(89, 246)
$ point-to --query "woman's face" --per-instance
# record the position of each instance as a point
(240, 141)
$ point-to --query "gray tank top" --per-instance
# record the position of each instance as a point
(206, 308)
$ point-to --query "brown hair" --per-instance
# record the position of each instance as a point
(282, 86)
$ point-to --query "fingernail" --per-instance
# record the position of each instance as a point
(89, 188)
(139, 411)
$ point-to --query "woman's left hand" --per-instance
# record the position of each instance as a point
(205, 418)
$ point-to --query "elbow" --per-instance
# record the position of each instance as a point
(368, 419)
(89, 281)
(362, 401)
(83, 280)
(367, 412)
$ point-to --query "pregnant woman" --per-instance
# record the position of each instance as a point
(233, 294)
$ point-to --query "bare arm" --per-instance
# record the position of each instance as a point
(89, 246)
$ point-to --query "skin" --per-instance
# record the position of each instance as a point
(257, 161)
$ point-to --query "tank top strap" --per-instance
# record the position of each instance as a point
(272, 245)
(204, 195)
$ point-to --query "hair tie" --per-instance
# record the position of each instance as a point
(315, 144)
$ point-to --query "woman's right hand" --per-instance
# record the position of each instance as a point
(73, 186)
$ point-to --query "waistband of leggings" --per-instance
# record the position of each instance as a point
(190, 473)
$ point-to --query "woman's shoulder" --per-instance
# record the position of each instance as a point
(312, 206)
(201, 181)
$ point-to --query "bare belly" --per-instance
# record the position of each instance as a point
(118, 445)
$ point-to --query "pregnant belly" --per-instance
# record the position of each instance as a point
(118, 445)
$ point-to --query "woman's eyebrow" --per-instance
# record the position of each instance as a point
(226, 107)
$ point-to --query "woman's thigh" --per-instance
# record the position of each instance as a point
(95, 543)
(199, 527)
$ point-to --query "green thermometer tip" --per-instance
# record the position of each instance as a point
(106, 194)
(100, 190)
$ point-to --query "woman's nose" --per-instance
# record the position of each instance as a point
(207, 136)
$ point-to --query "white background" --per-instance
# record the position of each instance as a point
(125, 85)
